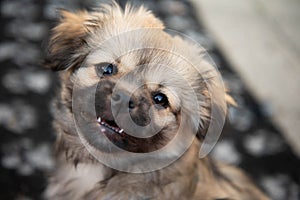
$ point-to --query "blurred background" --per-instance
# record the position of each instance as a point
(260, 135)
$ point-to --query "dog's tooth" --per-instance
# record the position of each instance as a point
(99, 119)
(121, 131)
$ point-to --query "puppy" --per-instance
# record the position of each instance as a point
(134, 107)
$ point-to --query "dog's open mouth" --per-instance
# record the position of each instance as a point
(116, 134)
(121, 139)
(110, 125)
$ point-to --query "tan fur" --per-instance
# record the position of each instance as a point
(78, 174)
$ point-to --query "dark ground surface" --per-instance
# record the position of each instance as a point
(249, 139)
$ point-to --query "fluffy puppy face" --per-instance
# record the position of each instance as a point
(138, 86)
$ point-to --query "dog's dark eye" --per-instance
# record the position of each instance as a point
(161, 99)
(106, 69)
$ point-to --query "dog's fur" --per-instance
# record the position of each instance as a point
(78, 174)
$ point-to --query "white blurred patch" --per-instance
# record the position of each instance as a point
(21, 54)
(11, 161)
(241, 118)
(255, 144)
(25, 169)
(13, 81)
(38, 82)
(18, 9)
(225, 151)
(40, 157)
(28, 30)
(17, 117)
(274, 187)
(6, 114)
(25, 157)
(262, 143)
(280, 187)
(22, 81)
(27, 54)
(8, 50)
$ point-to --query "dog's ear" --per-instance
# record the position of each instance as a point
(230, 100)
(67, 42)
(68, 47)
(215, 111)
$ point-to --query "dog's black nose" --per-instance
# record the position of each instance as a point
(131, 104)
(120, 98)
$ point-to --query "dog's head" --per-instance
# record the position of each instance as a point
(146, 86)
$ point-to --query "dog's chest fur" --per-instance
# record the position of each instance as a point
(95, 181)
(201, 180)
(72, 183)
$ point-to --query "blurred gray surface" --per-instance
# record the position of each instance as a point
(260, 39)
